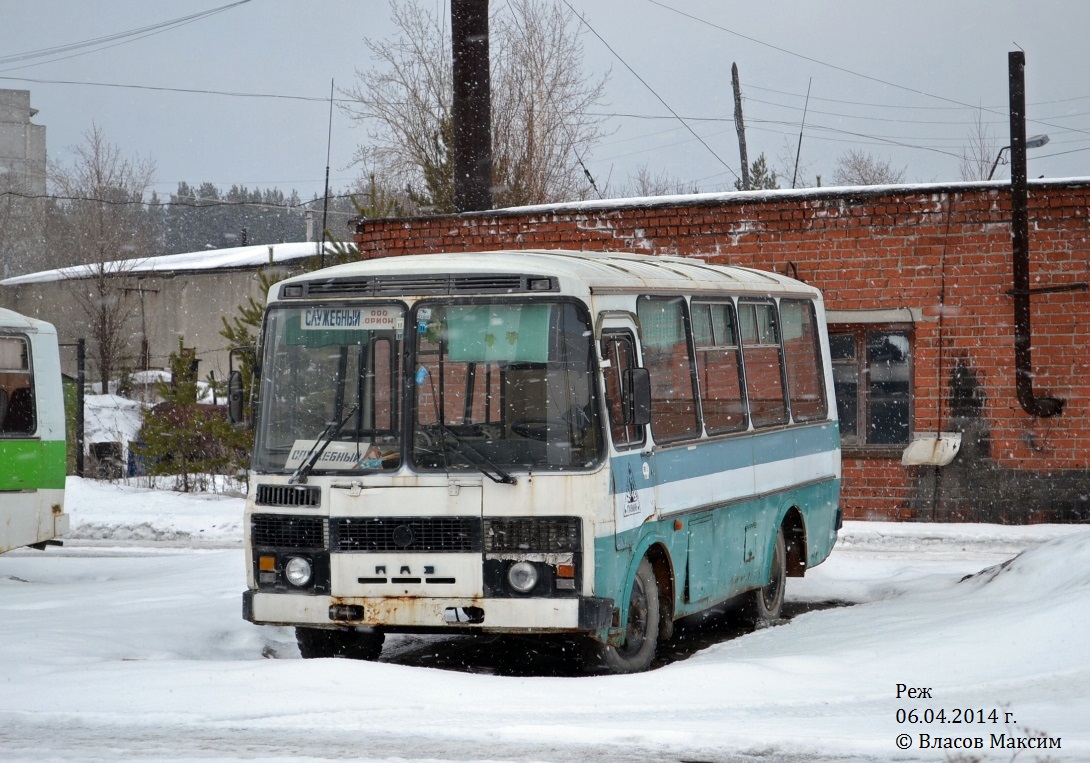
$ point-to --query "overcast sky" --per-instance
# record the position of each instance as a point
(895, 79)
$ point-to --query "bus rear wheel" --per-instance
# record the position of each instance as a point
(326, 642)
(765, 604)
(641, 630)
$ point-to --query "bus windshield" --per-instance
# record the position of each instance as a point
(497, 387)
(503, 386)
(331, 373)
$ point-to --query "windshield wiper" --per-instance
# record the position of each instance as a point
(477, 459)
(318, 448)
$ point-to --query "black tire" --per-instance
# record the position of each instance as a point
(316, 643)
(765, 604)
(641, 630)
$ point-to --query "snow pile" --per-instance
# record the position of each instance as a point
(113, 650)
(119, 512)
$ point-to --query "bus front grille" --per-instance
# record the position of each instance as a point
(289, 532)
(533, 534)
(288, 495)
(409, 534)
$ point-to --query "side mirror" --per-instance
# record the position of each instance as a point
(236, 386)
(637, 396)
(235, 398)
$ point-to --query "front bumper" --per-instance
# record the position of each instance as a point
(570, 615)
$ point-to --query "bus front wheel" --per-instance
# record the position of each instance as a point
(352, 645)
(765, 604)
(641, 630)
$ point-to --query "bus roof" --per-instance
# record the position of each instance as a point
(9, 319)
(578, 272)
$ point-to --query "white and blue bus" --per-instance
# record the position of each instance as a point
(536, 442)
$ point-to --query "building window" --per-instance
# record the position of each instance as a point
(872, 377)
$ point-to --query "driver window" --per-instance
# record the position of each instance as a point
(618, 347)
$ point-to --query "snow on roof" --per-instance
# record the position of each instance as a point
(593, 205)
(110, 418)
(210, 259)
(262, 254)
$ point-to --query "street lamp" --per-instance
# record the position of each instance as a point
(1035, 142)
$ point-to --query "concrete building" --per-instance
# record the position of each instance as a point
(22, 144)
(22, 175)
(163, 299)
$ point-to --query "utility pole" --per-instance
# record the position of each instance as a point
(739, 125)
(325, 195)
(798, 151)
(472, 105)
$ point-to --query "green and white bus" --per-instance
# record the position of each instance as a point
(32, 445)
(536, 442)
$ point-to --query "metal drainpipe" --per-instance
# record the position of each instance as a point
(1042, 407)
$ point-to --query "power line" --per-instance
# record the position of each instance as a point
(195, 202)
(650, 89)
(818, 61)
(854, 73)
(198, 91)
(119, 38)
(871, 104)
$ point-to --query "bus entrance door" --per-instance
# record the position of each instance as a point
(632, 483)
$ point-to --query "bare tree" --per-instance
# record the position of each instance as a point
(793, 164)
(977, 157)
(542, 104)
(646, 183)
(860, 168)
(103, 224)
(542, 120)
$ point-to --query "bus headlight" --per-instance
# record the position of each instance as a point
(297, 571)
(522, 576)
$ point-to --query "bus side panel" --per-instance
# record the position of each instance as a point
(32, 469)
(29, 518)
(719, 553)
(720, 505)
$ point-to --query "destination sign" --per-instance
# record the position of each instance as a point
(351, 318)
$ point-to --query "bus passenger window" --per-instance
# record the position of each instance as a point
(668, 359)
(17, 409)
(618, 348)
(719, 368)
(763, 360)
(805, 376)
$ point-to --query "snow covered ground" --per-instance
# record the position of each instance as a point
(128, 643)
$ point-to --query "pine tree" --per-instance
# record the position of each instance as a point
(241, 331)
(760, 177)
(183, 438)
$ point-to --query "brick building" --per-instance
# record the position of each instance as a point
(918, 282)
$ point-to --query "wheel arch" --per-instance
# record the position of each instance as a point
(654, 548)
(794, 536)
(663, 566)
